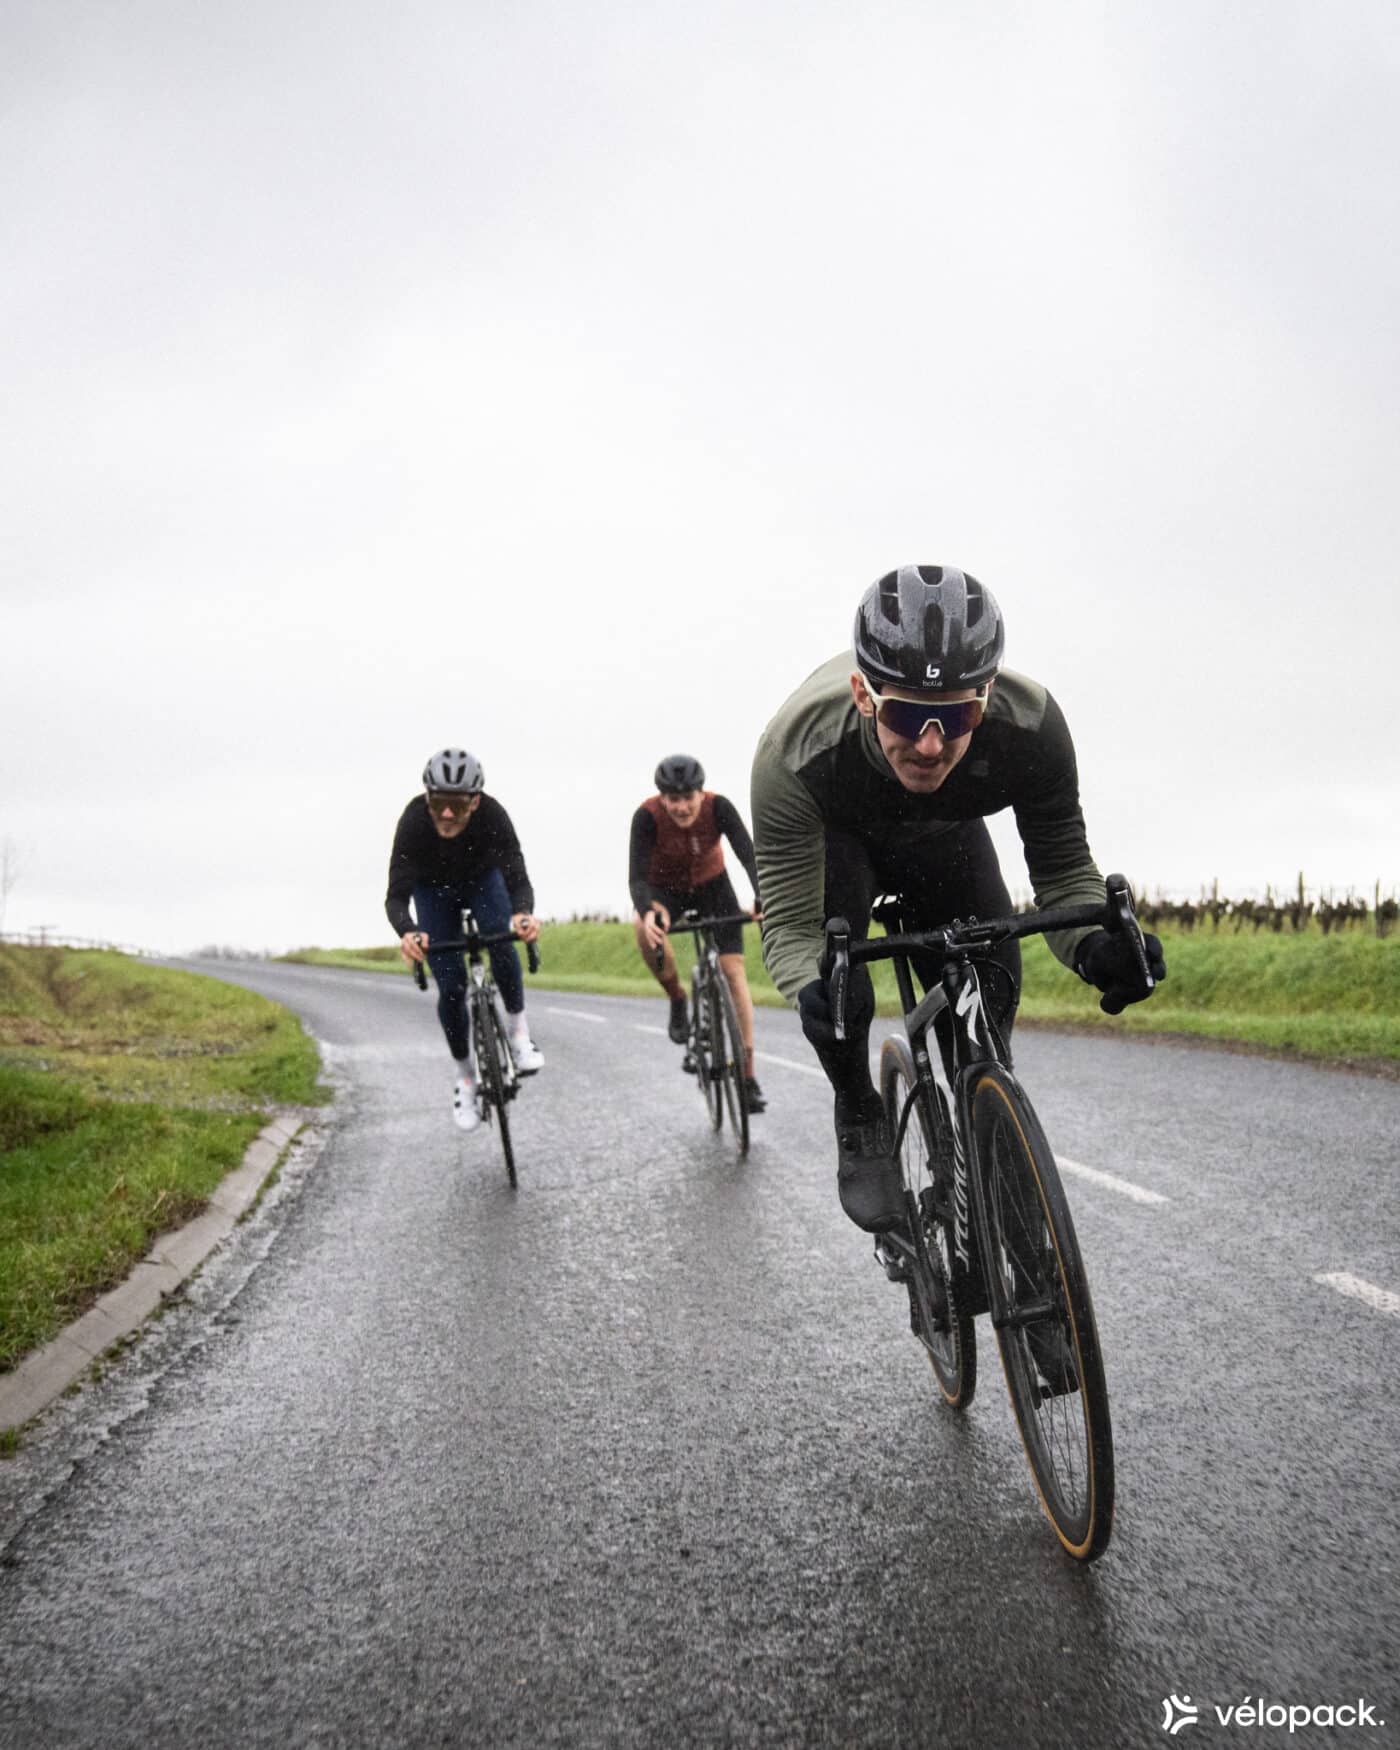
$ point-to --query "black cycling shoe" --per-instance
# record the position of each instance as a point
(1054, 1359)
(753, 1096)
(679, 1026)
(867, 1175)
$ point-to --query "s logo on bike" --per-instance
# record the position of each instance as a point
(970, 1007)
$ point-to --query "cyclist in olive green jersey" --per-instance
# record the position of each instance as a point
(875, 777)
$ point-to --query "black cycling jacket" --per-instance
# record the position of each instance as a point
(419, 857)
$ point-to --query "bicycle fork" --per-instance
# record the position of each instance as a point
(999, 1263)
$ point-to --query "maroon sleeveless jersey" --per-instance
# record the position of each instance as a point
(685, 857)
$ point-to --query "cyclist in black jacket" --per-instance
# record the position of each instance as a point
(455, 846)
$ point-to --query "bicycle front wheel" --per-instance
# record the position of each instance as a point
(491, 1061)
(1049, 1342)
(939, 1323)
(732, 1059)
(708, 1058)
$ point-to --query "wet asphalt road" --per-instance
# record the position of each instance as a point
(644, 1453)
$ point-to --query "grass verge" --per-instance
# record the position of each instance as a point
(127, 1091)
(1333, 998)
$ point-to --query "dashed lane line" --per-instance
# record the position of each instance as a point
(805, 1069)
(1110, 1181)
(1357, 1288)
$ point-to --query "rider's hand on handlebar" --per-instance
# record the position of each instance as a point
(1109, 963)
(814, 1006)
(525, 926)
(411, 946)
(655, 923)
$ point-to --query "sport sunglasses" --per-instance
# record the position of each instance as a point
(910, 718)
(439, 801)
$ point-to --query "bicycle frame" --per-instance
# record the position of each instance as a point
(974, 1041)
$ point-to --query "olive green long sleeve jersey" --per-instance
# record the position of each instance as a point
(819, 766)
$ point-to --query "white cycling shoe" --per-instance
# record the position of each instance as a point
(466, 1113)
(528, 1056)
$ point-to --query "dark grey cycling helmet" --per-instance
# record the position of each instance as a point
(928, 628)
(678, 772)
(454, 772)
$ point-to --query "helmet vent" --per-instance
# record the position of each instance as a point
(931, 574)
(933, 628)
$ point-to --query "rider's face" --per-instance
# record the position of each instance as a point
(683, 806)
(922, 765)
(451, 813)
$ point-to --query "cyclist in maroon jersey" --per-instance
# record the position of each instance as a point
(676, 864)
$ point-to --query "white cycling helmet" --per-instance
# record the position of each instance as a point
(454, 772)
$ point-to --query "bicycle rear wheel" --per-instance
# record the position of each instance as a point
(732, 1059)
(945, 1331)
(1049, 1342)
(491, 1060)
(702, 1046)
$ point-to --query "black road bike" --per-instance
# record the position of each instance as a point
(987, 1226)
(497, 1079)
(714, 1046)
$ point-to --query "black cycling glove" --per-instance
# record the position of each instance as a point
(814, 1006)
(1109, 963)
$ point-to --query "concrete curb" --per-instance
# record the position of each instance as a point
(48, 1372)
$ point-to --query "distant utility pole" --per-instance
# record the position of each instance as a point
(42, 932)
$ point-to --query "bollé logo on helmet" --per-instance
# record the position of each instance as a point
(932, 670)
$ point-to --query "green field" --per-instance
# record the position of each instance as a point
(127, 1091)
(1334, 997)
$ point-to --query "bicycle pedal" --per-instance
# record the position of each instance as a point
(891, 1263)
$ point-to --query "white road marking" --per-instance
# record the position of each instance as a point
(1110, 1181)
(805, 1069)
(1381, 1299)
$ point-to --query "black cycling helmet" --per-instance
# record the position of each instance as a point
(454, 772)
(928, 628)
(678, 773)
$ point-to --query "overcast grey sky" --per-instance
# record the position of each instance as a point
(552, 379)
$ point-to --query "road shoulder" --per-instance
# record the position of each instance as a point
(171, 1261)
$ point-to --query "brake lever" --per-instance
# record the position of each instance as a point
(532, 955)
(1122, 919)
(838, 953)
(420, 976)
